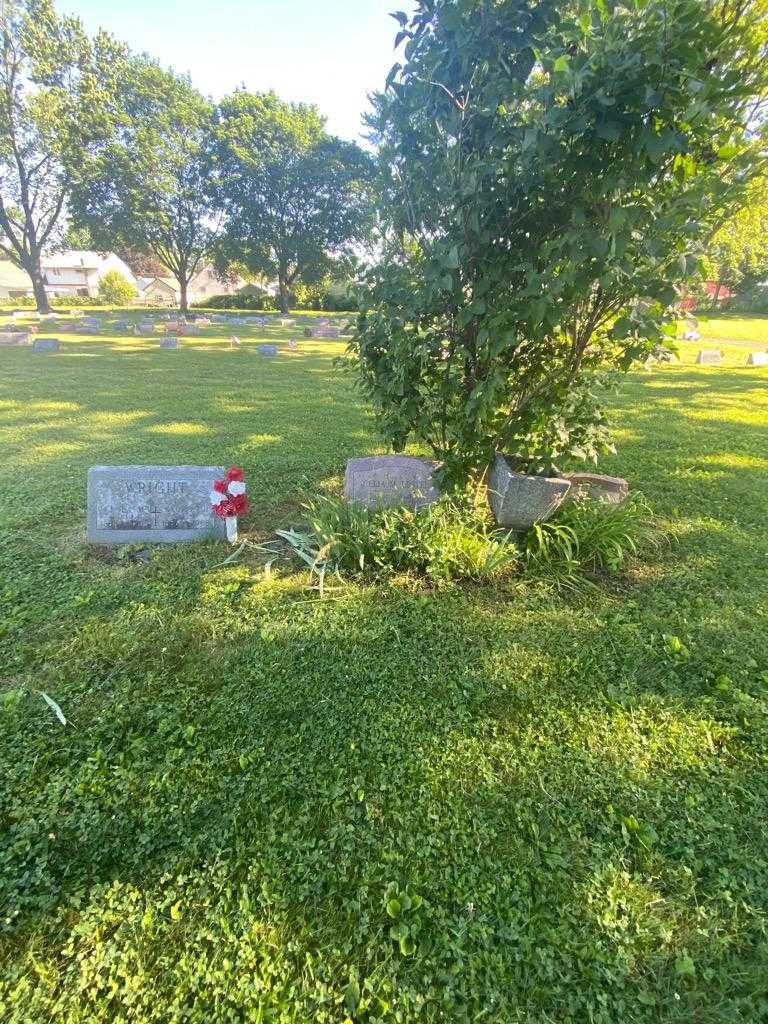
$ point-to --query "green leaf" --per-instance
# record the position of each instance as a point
(451, 260)
(54, 707)
(562, 62)
(394, 908)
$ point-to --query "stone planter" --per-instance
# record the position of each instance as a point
(518, 501)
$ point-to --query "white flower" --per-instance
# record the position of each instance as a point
(216, 498)
(236, 487)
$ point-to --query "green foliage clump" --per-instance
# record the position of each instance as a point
(452, 539)
(248, 301)
(587, 535)
(551, 173)
(115, 289)
(456, 539)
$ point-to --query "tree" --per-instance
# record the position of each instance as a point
(737, 256)
(549, 172)
(296, 198)
(146, 187)
(51, 79)
(116, 290)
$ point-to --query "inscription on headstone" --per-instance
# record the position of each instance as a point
(709, 357)
(152, 504)
(45, 345)
(383, 481)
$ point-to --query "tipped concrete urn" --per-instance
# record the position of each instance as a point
(518, 501)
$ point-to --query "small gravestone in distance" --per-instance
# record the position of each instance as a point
(45, 345)
(267, 350)
(757, 359)
(169, 343)
(14, 338)
(709, 357)
(384, 481)
(293, 344)
(152, 504)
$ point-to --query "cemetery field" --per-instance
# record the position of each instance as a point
(397, 803)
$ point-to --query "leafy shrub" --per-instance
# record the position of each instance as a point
(115, 289)
(452, 539)
(239, 301)
(456, 539)
(588, 534)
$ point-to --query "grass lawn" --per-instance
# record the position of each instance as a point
(558, 803)
(735, 336)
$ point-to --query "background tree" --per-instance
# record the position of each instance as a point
(737, 255)
(146, 186)
(116, 290)
(549, 170)
(296, 198)
(51, 93)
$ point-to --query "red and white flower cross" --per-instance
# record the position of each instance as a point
(228, 499)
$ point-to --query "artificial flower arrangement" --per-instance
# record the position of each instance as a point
(229, 501)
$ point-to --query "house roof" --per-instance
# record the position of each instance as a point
(147, 282)
(75, 259)
(12, 277)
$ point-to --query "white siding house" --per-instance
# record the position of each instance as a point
(76, 272)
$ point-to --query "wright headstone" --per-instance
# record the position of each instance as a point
(152, 504)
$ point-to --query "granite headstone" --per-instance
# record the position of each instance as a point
(152, 504)
(709, 357)
(758, 359)
(611, 489)
(267, 350)
(384, 481)
(45, 345)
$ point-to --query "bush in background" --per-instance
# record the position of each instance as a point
(116, 290)
(239, 301)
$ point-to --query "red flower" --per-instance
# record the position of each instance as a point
(235, 473)
(224, 509)
(220, 486)
(239, 504)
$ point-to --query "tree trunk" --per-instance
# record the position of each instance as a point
(38, 286)
(183, 304)
(283, 294)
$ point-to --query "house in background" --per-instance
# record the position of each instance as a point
(14, 283)
(158, 291)
(715, 295)
(77, 272)
(164, 291)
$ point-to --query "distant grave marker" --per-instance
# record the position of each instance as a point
(169, 343)
(293, 344)
(709, 357)
(267, 350)
(757, 359)
(14, 338)
(45, 345)
(152, 504)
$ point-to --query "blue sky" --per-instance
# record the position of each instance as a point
(327, 52)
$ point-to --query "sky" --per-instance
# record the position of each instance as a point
(328, 52)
